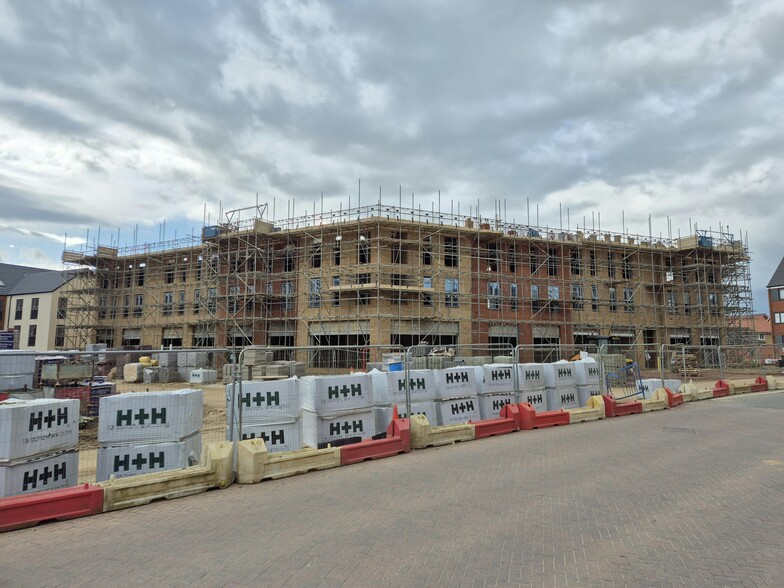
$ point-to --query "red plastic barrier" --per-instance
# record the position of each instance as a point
(613, 408)
(512, 411)
(530, 419)
(721, 388)
(673, 398)
(398, 441)
(28, 510)
(760, 384)
(508, 422)
(4, 396)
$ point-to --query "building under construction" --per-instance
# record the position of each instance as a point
(381, 275)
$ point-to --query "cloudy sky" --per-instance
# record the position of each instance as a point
(120, 115)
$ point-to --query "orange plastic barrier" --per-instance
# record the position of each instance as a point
(508, 422)
(398, 440)
(530, 419)
(28, 510)
(722, 388)
(613, 408)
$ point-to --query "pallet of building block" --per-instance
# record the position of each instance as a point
(150, 375)
(203, 376)
(230, 370)
(472, 360)
(257, 372)
(166, 359)
(278, 371)
(296, 369)
(256, 357)
(133, 372)
(684, 364)
(169, 374)
(192, 359)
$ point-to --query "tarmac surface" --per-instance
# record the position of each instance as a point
(687, 497)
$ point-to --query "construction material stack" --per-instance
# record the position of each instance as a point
(530, 383)
(496, 389)
(188, 361)
(269, 410)
(168, 367)
(38, 445)
(457, 401)
(16, 371)
(145, 432)
(389, 390)
(561, 385)
(588, 374)
(336, 409)
(254, 363)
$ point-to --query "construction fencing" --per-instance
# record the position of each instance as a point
(77, 417)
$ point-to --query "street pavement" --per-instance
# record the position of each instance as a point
(687, 497)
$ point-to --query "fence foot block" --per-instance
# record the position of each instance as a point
(216, 472)
(424, 435)
(18, 512)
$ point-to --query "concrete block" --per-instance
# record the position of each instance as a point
(497, 379)
(424, 435)
(255, 463)
(37, 427)
(536, 398)
(530, 376)
(216, 471)
(458, 410)
(44, 473)
(133, 372)
(150, 416)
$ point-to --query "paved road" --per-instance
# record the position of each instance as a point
(685, 497)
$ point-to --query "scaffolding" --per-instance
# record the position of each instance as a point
(393, 275)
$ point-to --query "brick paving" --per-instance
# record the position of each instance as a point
(686, 497)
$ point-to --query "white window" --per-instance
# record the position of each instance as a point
(778, 318)
(314, 301)
(553, 292)
(452, 296)
(493, 293)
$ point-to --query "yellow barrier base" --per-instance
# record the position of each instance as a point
(215, 472)
(741, 386)
(423, 435)
(255, 463)
(655, 403)
(775, 382)
(691, 392)
(593, 411)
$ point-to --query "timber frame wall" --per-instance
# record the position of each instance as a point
(380, 275)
